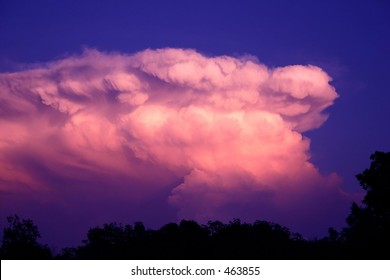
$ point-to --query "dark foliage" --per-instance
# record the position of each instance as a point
(368, 234)
(189, 240)
(20, 241)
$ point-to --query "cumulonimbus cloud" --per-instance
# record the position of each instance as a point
(227, 130)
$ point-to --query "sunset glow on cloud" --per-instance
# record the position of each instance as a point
(221, 135)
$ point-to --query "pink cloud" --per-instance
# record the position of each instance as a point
(228, 129)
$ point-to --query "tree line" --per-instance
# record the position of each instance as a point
(367, 235)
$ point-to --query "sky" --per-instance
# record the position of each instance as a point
(166, 110)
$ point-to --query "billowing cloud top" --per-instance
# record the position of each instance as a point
(213, 131)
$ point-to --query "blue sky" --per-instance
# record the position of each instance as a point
(350, 40)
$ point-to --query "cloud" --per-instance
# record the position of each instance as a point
(221, 136)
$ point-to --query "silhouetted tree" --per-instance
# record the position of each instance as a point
(167, 242)
(368, 234)
(189, 240)
(108, 242)
(114, 241)
(20, 240)
(260, 240)
(376, 181)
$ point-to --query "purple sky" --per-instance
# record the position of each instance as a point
(224, 117)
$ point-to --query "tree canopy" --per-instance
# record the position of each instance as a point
(20, 240)
(368, 233)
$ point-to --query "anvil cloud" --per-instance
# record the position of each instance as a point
(221, 136)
